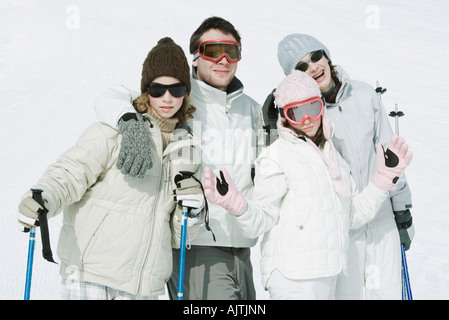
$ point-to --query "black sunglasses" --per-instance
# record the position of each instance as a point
(314, 57)
(157, 90)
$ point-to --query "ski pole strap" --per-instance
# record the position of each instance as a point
(43, 223)
(403, 221)
(206, 210)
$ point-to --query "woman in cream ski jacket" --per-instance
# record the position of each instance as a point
(304, 200)
(116, 233)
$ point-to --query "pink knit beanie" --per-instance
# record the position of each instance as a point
(297, 86)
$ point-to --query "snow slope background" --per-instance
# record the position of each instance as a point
(57, 56)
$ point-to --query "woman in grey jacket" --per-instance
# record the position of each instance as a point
(115, 242)
(360, 122)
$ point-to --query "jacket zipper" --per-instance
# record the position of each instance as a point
(148, 248)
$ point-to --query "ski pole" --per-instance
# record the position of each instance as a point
(36, 194)
(30, 262)
(396, 114)
(182, 253)
(46, 249)
(405, 277)
(43, 223)
(406, 288)
(379, 89)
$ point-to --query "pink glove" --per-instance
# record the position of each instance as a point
(392, 163)
(224, 193)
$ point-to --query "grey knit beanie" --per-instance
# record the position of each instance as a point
(296, 46)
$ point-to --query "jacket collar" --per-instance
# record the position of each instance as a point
(235, 84)
(204, 92)
(345, 84)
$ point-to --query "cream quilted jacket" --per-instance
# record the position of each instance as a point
(116, 228)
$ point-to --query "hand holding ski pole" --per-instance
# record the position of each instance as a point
(29, 210)
(223, 192)
(189, 193)
(32, 212)
(391, 163)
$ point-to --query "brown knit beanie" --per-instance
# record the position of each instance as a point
(165, 59)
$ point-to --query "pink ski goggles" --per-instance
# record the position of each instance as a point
(299, 112)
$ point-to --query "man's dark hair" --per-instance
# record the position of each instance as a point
(212, 23)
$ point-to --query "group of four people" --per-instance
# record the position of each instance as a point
(322, 239)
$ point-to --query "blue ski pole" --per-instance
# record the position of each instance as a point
(30, 262)
(407, 290)
(46, 250)
(182, 254)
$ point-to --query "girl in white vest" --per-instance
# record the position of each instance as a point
(304, 199)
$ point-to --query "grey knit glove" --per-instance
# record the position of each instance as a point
(135, 156)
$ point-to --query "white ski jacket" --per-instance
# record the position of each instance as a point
(116, 228)
(297, 206)
(230, 128)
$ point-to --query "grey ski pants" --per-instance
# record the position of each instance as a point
(214, 273)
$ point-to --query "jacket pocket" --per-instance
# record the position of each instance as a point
(116, 248)
(86, 230)
(80, 224)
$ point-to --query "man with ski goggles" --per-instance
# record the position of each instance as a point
(215, 57)
(220, 268)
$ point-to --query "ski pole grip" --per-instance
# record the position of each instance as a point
(37, 196)
(45, 234)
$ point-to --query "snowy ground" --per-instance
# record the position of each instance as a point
(57, 56)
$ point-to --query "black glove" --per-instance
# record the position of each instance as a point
(405, 227)
(134, 158)
(270, 116)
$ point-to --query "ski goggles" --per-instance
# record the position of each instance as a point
(157, 90)
(214, 50)
(314, 57)
(298, 112)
